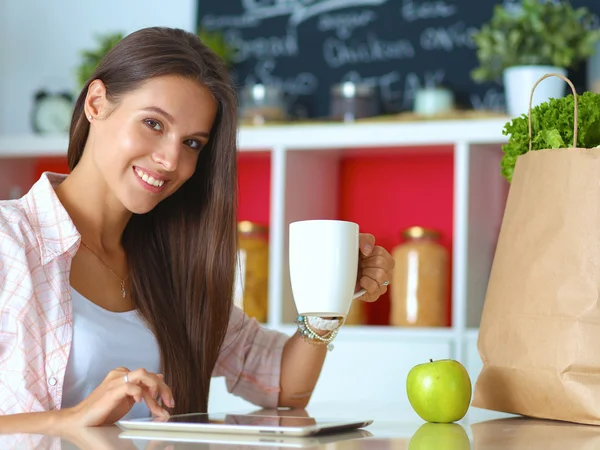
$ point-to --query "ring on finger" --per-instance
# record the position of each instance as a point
(126, 378)
(385, 283)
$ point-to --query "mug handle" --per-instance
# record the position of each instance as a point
(362, 291)
(358, 294)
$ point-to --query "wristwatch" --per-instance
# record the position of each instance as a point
(318, 323)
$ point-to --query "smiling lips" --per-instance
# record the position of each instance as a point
(151, 183)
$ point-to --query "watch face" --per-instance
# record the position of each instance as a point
(53, 114)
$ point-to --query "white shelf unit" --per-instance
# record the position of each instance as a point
(304, 184)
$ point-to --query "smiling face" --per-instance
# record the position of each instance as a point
(147, 145)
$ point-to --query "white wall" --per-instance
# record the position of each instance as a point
(40, 43)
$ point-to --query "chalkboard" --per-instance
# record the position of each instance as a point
(306, 46)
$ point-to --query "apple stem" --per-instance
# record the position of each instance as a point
(431, 360)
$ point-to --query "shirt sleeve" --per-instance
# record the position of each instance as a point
(250, 360)
(18, 384)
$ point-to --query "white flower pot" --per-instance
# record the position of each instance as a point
(519, 80)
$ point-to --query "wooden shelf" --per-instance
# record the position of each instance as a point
(33, 146)
(312, 136)
(372, 134)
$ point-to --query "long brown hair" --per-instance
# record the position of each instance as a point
(182, 253)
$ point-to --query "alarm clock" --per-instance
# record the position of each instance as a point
(52, 112)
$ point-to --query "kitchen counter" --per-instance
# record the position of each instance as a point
(480, 430)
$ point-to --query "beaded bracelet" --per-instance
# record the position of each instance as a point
(313, 337)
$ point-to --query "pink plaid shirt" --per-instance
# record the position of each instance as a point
(37, 243)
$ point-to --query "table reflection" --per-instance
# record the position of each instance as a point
(520, 432)
(114, 438)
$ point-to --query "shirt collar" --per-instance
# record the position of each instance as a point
(52, 225)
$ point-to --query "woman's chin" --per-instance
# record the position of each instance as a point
(139, 207)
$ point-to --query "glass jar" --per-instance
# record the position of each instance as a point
(261, 104)
(351, 101)
(254, 257)
(419, 288)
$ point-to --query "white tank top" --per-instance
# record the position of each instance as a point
(102, 341)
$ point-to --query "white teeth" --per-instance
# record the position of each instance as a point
(148, 179)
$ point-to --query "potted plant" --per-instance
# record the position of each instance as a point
(215, 40)
(523, 42)
(91, 58)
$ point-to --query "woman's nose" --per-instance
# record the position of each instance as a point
(168, 156)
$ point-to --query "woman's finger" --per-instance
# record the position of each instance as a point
(377, 261)
(155, 384)
(117, 373)
(366, 243)
(119, 392)
(379, 277)
(153, 405)
(373, 296)
(139, 391)
(369, 284)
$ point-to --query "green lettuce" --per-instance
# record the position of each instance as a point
(552, 127)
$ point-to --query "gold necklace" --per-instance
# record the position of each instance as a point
(122, 280)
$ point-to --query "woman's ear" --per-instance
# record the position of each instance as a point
(96, 103)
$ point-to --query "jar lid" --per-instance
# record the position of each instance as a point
(248, 227)
(417, 232)
(349, 89)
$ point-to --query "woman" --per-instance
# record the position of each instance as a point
(123, 270)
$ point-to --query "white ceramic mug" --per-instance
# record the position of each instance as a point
(323, 258)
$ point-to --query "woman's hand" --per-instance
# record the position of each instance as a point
(115, 397)
(375, 268)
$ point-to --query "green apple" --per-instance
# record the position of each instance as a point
(439, 391)
(440, 436)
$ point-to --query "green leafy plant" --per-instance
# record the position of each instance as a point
(92, 57)
(217, 43)
(535, 33)
(552, 127)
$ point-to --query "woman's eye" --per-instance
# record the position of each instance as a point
(154, 124)
(192, 143)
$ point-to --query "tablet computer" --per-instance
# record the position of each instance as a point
(240, 423)
(255, 440)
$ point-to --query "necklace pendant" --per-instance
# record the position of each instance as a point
(123, 290)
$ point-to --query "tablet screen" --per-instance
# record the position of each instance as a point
(243, 419)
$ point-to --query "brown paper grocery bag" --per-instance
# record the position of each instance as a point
(539, 338)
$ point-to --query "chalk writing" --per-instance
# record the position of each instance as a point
(303, 83)
(398, 46)
(418, 10)
(299, 10)
(493, 99)
(338, 53)
(448, 38)
(396, 90)
(211, 22)
(345, 24)
(261, 47)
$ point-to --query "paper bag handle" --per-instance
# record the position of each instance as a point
(574, 100)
